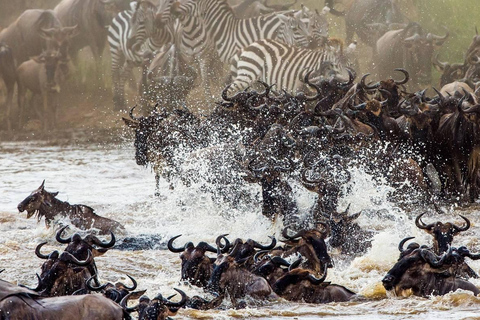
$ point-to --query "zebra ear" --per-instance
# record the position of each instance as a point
(283, 18)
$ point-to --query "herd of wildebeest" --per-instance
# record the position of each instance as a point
(291, 113)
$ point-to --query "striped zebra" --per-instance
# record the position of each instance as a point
(228, 33)
(277, 63)
(131, 34)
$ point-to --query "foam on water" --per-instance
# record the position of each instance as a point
(106, 178)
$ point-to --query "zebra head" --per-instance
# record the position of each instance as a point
(147, 22)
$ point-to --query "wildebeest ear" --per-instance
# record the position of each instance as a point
(137, 294)
(130, 123)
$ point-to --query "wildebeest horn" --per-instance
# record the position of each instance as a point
(222, 248)
(59, 238)
(39, 254)
(400, 245)
(92, 288)
(124, 303)
(39, 283)
(307, 81)
(179, 304)
(68, 257)
(317, 281)
(267, 247)
(205, 246)
(257, 255)
(130, 113)
(280, 261)
(407, 76)
(224, 93)
(267, 89)
(109, 244)
(432, 259)
(366, 86)
(171, 247)
(420, 224)
(472, 109)
(464, 228)
(134, 286)
(295, 236)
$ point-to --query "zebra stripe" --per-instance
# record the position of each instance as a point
(228, 33)
(124, 58)
(277, 63)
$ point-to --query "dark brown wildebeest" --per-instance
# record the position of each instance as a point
(196, 266)
(45, 204)
(232, 278)
(62, 274)
(42, 76)
(301, 285)
(424, 273)
(442, 233)
(158, 308)
(115, 292)
(17, 303)
(9, 76)
(409, 48)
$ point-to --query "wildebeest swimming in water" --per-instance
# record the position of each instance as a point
(44, 203)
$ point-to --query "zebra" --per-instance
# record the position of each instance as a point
(228, 33)
(131, 35)
(274, 62)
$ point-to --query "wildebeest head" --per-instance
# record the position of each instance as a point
(144, 128)
(158, 308)
(311, 245)
(442, 233)
(419, 52)
(117, 291)
(62, 274)
(38, 198)
(51, 61)
(80, 247)
(196, 266)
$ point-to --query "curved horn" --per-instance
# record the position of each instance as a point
(205, 246)
(407, 76)
(38, 253)
(222, 248)
(68, 257)
(92, 288)
(59, 238)
(432, 259)
(224, 93)
(317, 281)
(131, 114)
(134, 286)
(295, 236)
(179, 304)
(366, 86)
(267, 247)
(402, 243)
(307, 81)
(109, 244)
(464, 228)
(280, 261)
(420, 224)
(171, 247)
(124, 303)
(257, 255)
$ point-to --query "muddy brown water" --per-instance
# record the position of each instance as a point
(105, 177)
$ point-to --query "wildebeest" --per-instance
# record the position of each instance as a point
(369, 19)
(196, 266)
(301, 285)
(442, 233)
(42, 76)
(62, 274)
(31, 33)
(92, 17)
(409, 48)
(158, 308)
(423, 272)
(117, 291)
(9, 76)
(45, 204)
(17, 303)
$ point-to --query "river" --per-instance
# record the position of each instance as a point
(106, 177)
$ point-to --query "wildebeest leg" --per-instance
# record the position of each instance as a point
(21, 104)
(10, 88)
(458, 177)
(45, 118)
